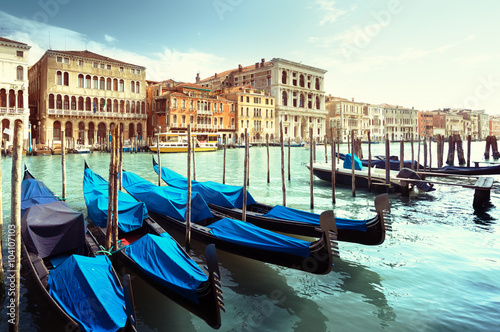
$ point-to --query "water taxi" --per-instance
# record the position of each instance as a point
(177, 142)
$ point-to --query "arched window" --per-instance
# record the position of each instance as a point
(121, 86)
(102, 104)
(301, 81)
(80, 80)
(51, 101)
(80, 103)
(317, 103)
(133, 106)
(283, 77)
(20, 99)
(301, 100)
(284, 99)
(143, 108)
(132, 86)
(108, 84)
(12, 99)
(56, 130)
(59, 102)
(109, 106)
(122, 106)
(95, 82)
(73, 103)
(59, 78)
(66, 102)
(174, 103)
(127, 107)
(174, 120)
(3, 98)
(115, 84)
(241, 111)
(102, 85)
(137, 87)
(115, 105)
(87, 82)
(20, 73)
(88, 104)
(66, 78)
(317, 83)
(183, 104)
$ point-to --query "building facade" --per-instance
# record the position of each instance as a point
(86, 95)
(13, 87)
(298, 90)
(191, 104)
(400, 122)
(255, 112)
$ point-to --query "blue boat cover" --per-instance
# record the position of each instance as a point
(212, 192)
(161, 258)
(52, 228)
(35, 192)
(348, 162)
(131, 213)
(87, 289)
(286, 213)
(165, 200)
(246, 234)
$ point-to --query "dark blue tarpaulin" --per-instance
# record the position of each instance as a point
(348, 162)
(161, 258)
(283, 212)
(165, 200)
(35, 192)
(212, 192)
(131, 213)
(246, 234)
(87, 289)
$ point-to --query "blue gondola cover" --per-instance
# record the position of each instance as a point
(87, 289)
(131, 213)
(212, 192)
(348, 162)
(246, 234)
(161, 258)
(165, 200)
(35, 192)
(283, 212)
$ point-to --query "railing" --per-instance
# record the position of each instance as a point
(97, 114)
(13, 110)
(207, 112)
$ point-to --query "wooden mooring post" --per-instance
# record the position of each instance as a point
(289, 148)
(283, 185)
(369, 162)
(159, 159)
(2, 293)
(115, 152)
(63, 164)
(425, 153)
(245, 179)
(451, 151)
(469, 139)
(333, 169)
(387, 160)
(188, 199)
(412, 154)
(460, 149)
(353, 172)
(311, 175)
(224, 165)
(401, 154)
(15, 213)
(268, 169)
(418, 154)
(193, 153)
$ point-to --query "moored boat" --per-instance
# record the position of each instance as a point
(62, 258)
(178, 142)
(167, 205)
(152, 253)
(228, 200)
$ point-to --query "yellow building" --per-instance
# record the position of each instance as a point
(86, 95)
(255, 111)
(345, 115)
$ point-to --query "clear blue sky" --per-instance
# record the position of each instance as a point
(426, 54)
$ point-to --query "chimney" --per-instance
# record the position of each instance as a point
(256, 65)
(197, 78)
(215, 75)
(262, 62)
(240, 68)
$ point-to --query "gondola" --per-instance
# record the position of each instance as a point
(63, 259)
(227, 199)
(379, 162)
(153, 254)
(168, 205)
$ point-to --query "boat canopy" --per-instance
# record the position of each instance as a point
(53, 228)
(131, 213)
(286, 213)
(35, 192)
(348, 162)
(249, 235)
(87, 289)
(161, 258)
(212, 192)
(166, 200)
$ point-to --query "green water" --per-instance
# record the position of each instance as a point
(438, 270)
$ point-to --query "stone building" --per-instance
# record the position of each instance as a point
(297, 88)
(86, 95)
(400, 122)
(193, 104)
(254, 111)
(13, 87)
(346, 115)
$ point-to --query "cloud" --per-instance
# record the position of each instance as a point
(110, 39)
(165, 64)
(331, 14)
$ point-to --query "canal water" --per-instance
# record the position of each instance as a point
(438, 270)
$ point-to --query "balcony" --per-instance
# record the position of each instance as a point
(204, 112)
(97, 114)
(8, 110)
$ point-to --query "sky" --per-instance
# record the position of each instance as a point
(423, 54)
